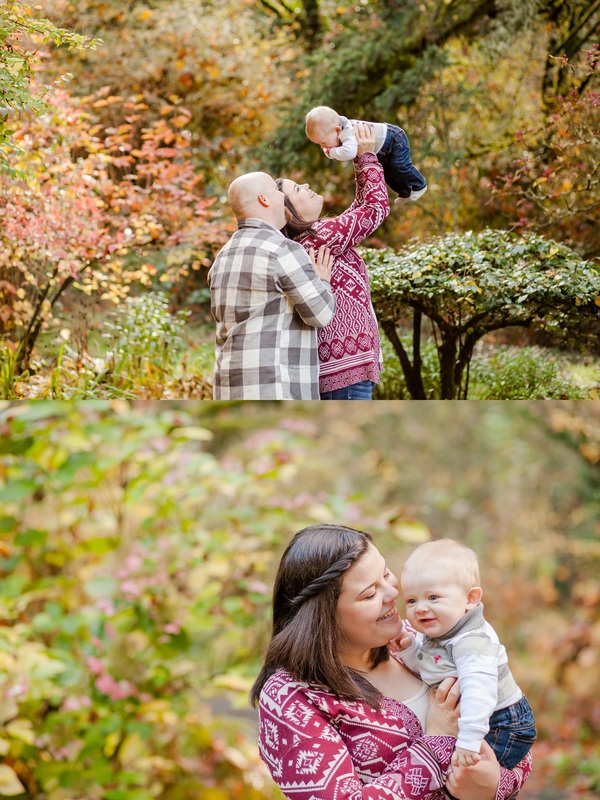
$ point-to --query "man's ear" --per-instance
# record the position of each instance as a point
(263, 200)
(474, 597)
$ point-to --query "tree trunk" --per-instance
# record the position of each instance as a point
(311, 22)
(27, 343)
(447, 354)
(413, 378)
(465, 354)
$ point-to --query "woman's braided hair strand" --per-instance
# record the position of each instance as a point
(331, 574)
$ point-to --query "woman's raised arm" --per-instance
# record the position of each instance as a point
(368, 210)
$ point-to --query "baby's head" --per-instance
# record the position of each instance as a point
(323, 126)
(440, 583)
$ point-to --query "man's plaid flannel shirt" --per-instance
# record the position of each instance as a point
(268, 302)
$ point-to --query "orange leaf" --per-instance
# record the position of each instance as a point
(180, 121)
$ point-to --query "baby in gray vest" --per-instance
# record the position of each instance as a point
(440, 584)
(335, 135)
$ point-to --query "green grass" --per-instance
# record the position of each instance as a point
(584, 373)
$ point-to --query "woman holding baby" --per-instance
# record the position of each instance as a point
(349, 347)
(340, 715)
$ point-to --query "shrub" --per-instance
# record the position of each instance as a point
(515, 373)
(145, 337)
(467, 285)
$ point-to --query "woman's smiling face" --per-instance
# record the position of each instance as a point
(308, 204)
(366, 609)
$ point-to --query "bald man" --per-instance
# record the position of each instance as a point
(268, 297)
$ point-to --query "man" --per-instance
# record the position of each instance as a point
(268, 297)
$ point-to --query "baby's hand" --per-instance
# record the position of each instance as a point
(464, 758)
(401, 642)
(326, 151)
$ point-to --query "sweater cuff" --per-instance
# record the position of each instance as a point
(366, 158)
(442, 748)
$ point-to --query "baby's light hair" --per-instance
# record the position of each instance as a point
(457, 560)
(321, 118)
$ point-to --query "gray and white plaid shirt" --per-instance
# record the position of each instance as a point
(268, 302)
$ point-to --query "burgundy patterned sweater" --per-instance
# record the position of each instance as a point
(318, 747)
(349, 349)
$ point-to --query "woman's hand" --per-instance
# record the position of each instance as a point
(323, 262)
(365, 136)
(479, 782)
(442, 717)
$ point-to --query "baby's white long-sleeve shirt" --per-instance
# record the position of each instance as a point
(472, 652)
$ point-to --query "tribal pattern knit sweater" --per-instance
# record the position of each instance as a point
(318, 747)
(349, 348)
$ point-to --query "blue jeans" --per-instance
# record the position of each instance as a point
(512, 732)
(400, 173)
(358, 391)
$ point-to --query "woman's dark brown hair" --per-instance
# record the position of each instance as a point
(306, 637)
(295, 226)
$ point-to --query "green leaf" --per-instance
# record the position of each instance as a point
(101, 587)
(100, 545)
(73, 464)
(15, 490)
(31, 538)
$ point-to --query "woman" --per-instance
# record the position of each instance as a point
(341, 717)
(349, 347)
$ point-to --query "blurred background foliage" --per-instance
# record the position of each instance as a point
(499, 97)
(152, 107)
(138, 542)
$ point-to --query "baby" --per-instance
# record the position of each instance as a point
(335, 135)
(443, 603)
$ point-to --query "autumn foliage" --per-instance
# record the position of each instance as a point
(119, 185)
(98, 201)
(138, 543)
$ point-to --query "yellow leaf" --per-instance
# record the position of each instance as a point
(591, 452)
(597, 301)
(111, 743)
(9, 783)
(144, 14)
(411, 532)
(21, 729)
(236, 757)
(197, 434)
(132, 749)
(236, 683)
